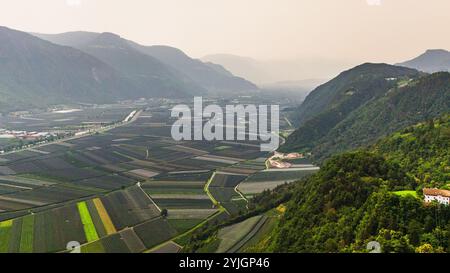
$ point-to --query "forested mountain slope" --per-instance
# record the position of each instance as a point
(351, 89)
(165, 66)
(213, 77)
(425, 98)
(353, 200)
(152, 77)
(36, 73)
(399, 103)
(371, 194)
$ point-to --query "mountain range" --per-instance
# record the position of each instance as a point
(37, 70)
(34, 72)
(151, 63)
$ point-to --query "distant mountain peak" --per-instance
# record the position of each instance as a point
(434, 51)
(368, 65)
(433, 60)
(168, 50)
(108, 39)
(375, 69)
(109, 34)
(436, 55)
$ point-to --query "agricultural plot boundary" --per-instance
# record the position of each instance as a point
(249, 236)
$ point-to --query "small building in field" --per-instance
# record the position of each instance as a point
(440, 196)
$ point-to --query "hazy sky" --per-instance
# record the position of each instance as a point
(361, 30)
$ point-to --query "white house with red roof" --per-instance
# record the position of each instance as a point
(440, 196)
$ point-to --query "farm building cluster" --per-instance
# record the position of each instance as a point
(8, 134)
(276, 161)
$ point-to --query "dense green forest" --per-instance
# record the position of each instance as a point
(422, 151)
(354, 199)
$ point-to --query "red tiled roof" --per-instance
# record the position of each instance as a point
(436, 192)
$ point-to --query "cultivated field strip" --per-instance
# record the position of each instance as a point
(88, 225)
(104, 217)
(96, 219)
(240, 244)
(231, 236)
(133, 242)
(170, 247)
(155, 232)
(191, 213)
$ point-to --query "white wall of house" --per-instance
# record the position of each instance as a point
(440, 199)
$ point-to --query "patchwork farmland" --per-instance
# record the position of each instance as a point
(129, 188)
